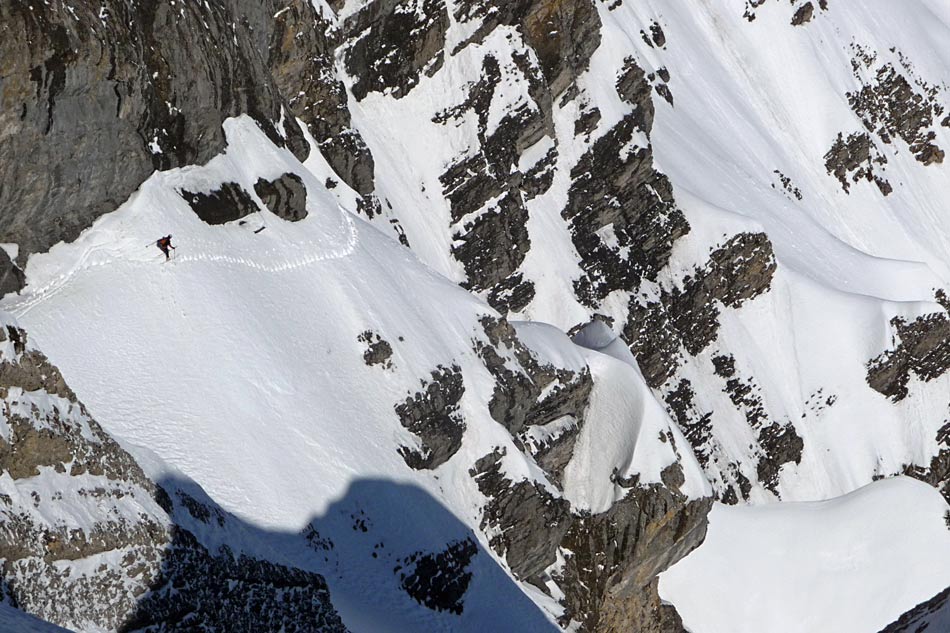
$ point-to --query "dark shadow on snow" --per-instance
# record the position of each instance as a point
(385, 556)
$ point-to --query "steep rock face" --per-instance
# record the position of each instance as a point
(300, 56)
(128, 88)
(433, 416)
(490, 185)
(891, 107)
(11, 277)
(604, 563)
(923, 351)
(616, 556)
(286, 197)
(687, 317)
(629, 199)
(393, 41)
(88, 540)
(529, 519)
(610, 559)
(228, 203)
(937, 472)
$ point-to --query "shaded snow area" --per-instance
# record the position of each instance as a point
(15, 621)
(847, 565)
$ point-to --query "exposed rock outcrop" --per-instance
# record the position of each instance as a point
(605, 564)
(542, 406)
(923, 350)
(11, 277)
(300, 56)
(937, 473)
(128, 88)
(891, 108)
(614, 557)
(803, 14)
(856, 158)
(528, 520)
(228, 203)
(621, 213)
(432, 414)
(390, 43)
(439, 580)
(687, 316)
(378, 350)
(286, 196)
(88, 540)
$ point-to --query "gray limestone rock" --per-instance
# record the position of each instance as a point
(286, 197)
(12, 278)
(620, 191)
(803, 14)
(228, 203)
(529, 522)
(301, 59)
(128, 88)
(687, 316)
(378, 350)
(923, 350)
(856, 158)
(937, 473)
(894, 107)
(390, 44)
(613, 558)
(432, 414)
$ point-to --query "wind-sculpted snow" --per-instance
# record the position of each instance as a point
(734, 208)
(691, 262)
(853, 563)
(288, 319)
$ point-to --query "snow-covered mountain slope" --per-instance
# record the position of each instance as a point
(474, 303)
(849, 564)
(90, 542)
(345, 396)
(760, 105)
(753, 285)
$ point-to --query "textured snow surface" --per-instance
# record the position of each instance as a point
(238, 365)
(275, 413)
(751, 99)
(847, 565)
(756, 98)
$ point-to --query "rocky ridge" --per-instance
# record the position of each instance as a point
(619, 213)
(71, 494)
